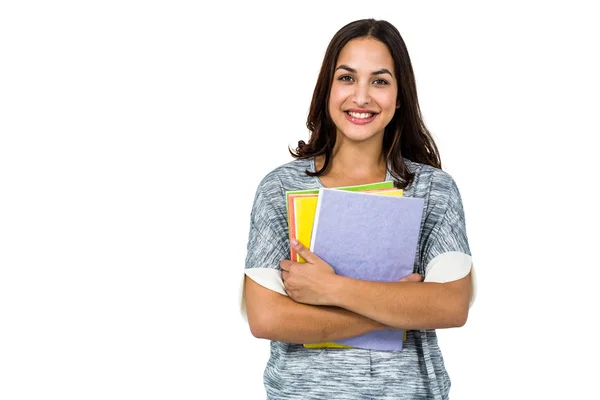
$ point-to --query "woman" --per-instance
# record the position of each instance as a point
(365, 127)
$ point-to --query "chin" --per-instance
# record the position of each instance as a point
(360, 135)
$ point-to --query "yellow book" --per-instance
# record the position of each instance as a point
(329, 345)
(305, 209)
(332, 345)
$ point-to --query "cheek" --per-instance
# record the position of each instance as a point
(388, 102)
(338, 95)
(334, 99)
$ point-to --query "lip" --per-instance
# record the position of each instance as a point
(361, 110)
(360, 121)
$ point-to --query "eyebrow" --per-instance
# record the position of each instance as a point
(378, 72)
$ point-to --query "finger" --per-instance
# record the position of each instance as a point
(285, 265)
(412, 278)
(288, 292)
(284, 276)
(304, 252)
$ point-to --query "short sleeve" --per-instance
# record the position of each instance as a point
(268, 240)
(446, 253)
(449, 231)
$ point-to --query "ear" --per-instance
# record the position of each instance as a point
(398, 104)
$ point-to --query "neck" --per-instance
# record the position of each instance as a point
(355, 163)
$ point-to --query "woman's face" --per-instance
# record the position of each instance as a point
(362, 100)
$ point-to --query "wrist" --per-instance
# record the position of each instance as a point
(336, 290)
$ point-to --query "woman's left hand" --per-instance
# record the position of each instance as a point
(308, 282)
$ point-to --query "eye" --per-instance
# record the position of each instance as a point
(345, 78)
(380, 82)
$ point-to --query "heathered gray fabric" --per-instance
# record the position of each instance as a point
(418, 372)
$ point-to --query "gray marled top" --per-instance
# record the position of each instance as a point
(294, 372)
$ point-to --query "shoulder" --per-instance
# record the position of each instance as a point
(442, 184)
(439, 190)
(289, 176)
(431, 181)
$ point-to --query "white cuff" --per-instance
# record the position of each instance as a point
(267, 277)
(451, 266)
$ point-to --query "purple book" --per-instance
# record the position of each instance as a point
(369, 237)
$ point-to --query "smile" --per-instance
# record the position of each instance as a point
(359, 118)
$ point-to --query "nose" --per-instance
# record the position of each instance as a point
(362, 96)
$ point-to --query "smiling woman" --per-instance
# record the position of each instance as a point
(366, 127)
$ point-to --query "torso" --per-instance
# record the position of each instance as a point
(295, 372)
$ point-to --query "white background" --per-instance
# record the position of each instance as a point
(134, 134)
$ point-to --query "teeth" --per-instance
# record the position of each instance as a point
(360, 115)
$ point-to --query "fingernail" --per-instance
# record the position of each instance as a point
(294, 242)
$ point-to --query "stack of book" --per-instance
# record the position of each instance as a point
(367, 232)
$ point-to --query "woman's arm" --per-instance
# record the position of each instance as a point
(276, 317)
(406, 305)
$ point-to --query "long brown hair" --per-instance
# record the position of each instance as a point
(404, 137)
